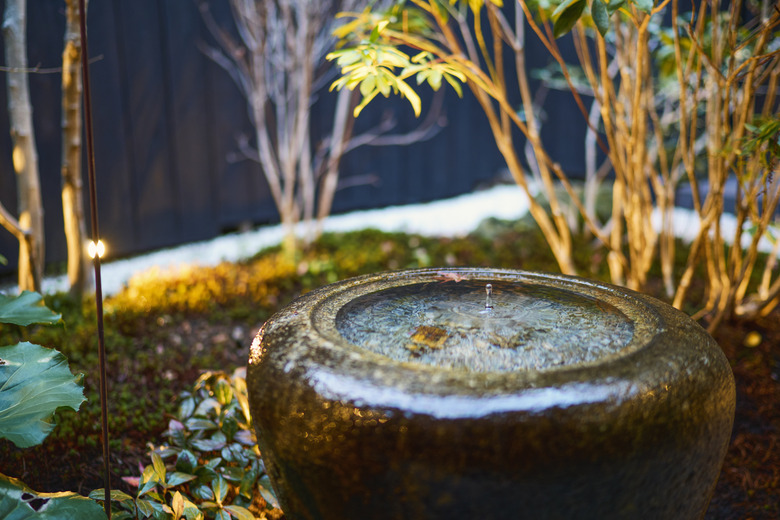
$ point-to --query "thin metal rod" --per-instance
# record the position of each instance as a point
(96, 259)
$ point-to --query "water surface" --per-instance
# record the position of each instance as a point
(455, 325)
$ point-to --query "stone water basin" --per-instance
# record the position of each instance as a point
(490, 394)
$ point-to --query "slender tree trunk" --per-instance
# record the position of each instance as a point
(72, 198)
(25, 157)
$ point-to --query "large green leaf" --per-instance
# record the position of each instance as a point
(19, 502)
(34, 382)
(598, 11)
(25, 309)
(566, 15)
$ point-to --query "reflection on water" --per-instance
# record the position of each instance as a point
(455, 325)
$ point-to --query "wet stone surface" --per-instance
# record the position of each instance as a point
(416, 395)
(501, 328)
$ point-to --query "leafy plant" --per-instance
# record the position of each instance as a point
(211, 467)
(19, 502)
(668, 100)
(34, 382)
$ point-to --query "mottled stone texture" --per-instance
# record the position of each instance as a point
(349, 434)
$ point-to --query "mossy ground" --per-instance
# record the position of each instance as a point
(165, 328)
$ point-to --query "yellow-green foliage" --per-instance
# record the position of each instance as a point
(197, 289)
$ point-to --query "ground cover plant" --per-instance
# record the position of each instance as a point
(175, 340)
(34, 382)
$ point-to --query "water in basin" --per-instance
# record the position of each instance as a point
(507, 326)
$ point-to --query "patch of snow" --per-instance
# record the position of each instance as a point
(450, 217)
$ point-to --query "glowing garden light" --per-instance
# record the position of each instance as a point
(98, 249)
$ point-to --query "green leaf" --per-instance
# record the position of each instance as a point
(19, 502)
(566, 16)
(116, 495)
(177, 505)
(177, 477)
(3, 260)
(176, 433)
(208, 444)
(221, 487)
(614, 6)
(206, 406)
(149, 479)
(145, 507)
(367, 86)
(236, 453)
(434, 79)
(409, 93)
(191, 511)
(455, 84)
(233, 474)
(248, 481)
(267, 491)
(159, 466)
(186, 408)
(239, 512)
(195, 424)
(229, 427)
(377, 30)
(383, 85)
(202, 491)
(34, 382)
(186, 461)
(26, 309)
(598, 11)
(363, 103)
(245, 437)
(644, 5)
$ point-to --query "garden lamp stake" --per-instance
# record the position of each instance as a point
(96, 258)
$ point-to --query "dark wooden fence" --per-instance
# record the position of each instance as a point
(167, 121)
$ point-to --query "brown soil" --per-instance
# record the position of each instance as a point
(749, 484)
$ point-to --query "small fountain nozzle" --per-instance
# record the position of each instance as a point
(489, 298)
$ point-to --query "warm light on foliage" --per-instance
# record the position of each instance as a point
(201, 289)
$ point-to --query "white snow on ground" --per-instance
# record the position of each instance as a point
(450, 217)
(686, 226)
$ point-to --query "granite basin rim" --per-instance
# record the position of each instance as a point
(347, 371)
(328, 304)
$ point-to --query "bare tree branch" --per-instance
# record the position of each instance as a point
(44, 70)
(10, 223)
(276, 57)
(430, 126)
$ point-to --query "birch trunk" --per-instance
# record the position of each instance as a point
(25, 158)
(72, 198)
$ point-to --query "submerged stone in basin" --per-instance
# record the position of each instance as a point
(424, 395)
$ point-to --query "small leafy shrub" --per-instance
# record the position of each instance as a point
(34, 382)
(211, 467)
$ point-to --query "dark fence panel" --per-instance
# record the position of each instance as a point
(167, 121)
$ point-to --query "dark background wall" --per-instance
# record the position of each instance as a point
(167, 120)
